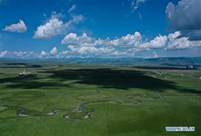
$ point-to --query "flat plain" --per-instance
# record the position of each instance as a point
(87, 100)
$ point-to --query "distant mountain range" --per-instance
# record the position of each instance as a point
(179, 61)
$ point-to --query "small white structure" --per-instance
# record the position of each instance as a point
(51, 113)
(24, 73)
(22, 115)
(88, 115)
(66, 117)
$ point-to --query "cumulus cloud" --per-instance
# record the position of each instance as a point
(86, 50)
(30, 54)
(128, 40)
(172, 41)
(86, 45)
(126, 45)
(18, 54)
(19, 27)
(85, 40)
(3, 53)
(177, 42)
(43, 54)
(74, 39)
(50, 29)
(54, 51)
(54, 26)
(157, 43)
(185, 17)
(130, 45)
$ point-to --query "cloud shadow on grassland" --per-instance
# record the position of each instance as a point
(119, 79)
(104, 78)
(32, 82)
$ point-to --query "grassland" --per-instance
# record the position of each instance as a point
(71, 100)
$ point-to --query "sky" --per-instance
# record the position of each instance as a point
(100, 28)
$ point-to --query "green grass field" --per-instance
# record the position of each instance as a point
(98, 101)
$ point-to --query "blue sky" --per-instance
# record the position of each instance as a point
(100, 28)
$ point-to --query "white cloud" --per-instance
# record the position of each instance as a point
(50, 29)
(70, 38)
(157, 43)
(174, 35)
(128, 40)
(54, 51)
(136, 3)
(74, 39)
(85, 40)
(54, 26)
(19, 27)
(172, 41)
(18, 54)
(91, 51)
(43, 54)
(87, 50)
(177, 42)
(86, 45)
(180, 43)
(3, 53)
(126, 45)
(130, 45)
